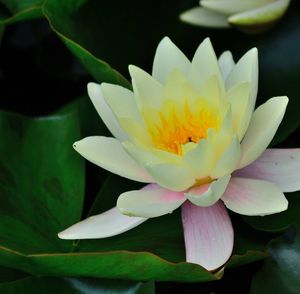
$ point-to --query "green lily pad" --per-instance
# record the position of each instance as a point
(40, 175)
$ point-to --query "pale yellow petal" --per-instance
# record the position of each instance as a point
(246, 70)
(148, 91)
(233, 6)
(226, 64)
(136, 131)
(105, 112)
(204, 65)
(147, 155)
(201, 16)
(200, 159)
(238, 96)
(121, 101)
(109, 154)
(228, 161)
(263, 126)
(171, 176)
(262, 16)
(167, 58)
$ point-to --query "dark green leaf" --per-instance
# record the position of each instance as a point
(19, 10)
(10, 275)
(90, 121)
(63, 19)
(281, 271)
(37, 285)
(41, 181)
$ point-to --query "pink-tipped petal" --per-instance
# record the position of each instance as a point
(107, 224)
(208, 194)
(254, 197)
(208, 234)
(279, 166)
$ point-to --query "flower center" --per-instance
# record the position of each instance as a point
(176, 127)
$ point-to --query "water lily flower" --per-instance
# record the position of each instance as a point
(190, 130)
(248, 15)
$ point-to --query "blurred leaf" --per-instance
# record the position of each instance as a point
(19, 10)
(62, 19)
(280, 221)
(40, 176)
(10, 275)
(90, 121)
(281, 271)
(75, 286)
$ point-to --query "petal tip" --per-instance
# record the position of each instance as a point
(207, 41)
(64, 235)
(132, 69)
(164, 40)
(91, 86)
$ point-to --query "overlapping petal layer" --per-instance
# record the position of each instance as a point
(248, 15)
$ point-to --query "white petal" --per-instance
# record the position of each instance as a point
(171, 176)
(106, 114)
(149, 203)
(136, 131)
(204, 66)
(261, 15)
(226, 64)
(262, 128)
(176, 87)
(246, 70)
(232, 6)
(208, 234)
(253, 197)
(167, 58)
(228, 161)
(208, 194)
(279, 166)
(212, 91)
(200, 159)
(204, 17)
(107, 224)
(149, 156)
(121, 101)
(238, 96)
(147, 90)
(110, 155)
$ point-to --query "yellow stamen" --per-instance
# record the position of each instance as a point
(176, 127)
